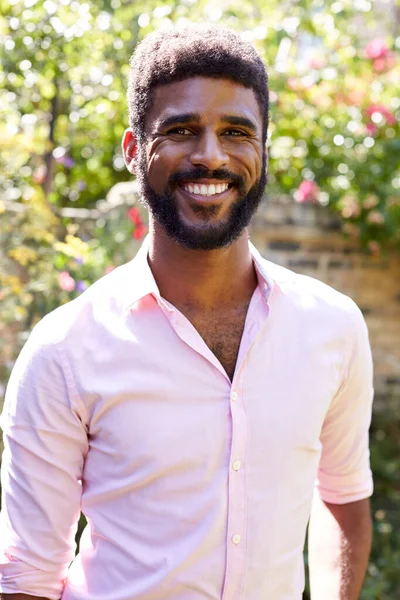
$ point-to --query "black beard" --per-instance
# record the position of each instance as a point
(208, 236)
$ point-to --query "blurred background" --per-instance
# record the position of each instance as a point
(69, 210)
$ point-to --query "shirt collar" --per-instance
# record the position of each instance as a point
(141, 280)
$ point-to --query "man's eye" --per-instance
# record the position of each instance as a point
(180, 131)
(235, 133)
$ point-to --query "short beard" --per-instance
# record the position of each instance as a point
(163, 209)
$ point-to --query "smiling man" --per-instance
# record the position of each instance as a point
(200, 402)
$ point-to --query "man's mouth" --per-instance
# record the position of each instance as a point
(202, 189)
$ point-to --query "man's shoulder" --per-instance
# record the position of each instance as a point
(308, 293)
(106, 297)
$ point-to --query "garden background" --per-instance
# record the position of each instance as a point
(68, 207)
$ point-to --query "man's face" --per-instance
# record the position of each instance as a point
(202, 169)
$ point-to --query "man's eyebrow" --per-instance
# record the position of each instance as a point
(180, 119)
(184, 118)
(244, 121)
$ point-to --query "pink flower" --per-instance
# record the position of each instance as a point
(134, 215)
(376, 49)
(385, 112)
(372, 129)
(140, 228)
(316, 63)
(293, 83)
(39, 174)
(140, 231)
(350, 207)
(379, 64)
(109, 269)
(355, 97)
(66, 282)
(307, 192)
(382, 110)
(370, 201)
(375, 217)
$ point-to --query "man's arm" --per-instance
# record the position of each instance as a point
(339, 544)
(45, 443)
(340, 525)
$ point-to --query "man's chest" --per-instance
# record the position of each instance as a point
(151, 395)
(222, 333)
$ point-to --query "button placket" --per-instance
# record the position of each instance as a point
(236, 529)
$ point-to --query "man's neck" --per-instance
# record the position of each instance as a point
(200, 279)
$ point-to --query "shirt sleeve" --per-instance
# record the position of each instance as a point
(344, 473)
(45, 442)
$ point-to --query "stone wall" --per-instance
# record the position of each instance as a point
(307, 239)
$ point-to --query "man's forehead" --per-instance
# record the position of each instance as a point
(203, 96)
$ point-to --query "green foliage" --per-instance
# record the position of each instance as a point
(335, 105)
(45, 263)
(383, 578)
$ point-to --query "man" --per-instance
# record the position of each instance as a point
(188, 402)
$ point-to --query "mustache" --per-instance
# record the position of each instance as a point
(203, 173)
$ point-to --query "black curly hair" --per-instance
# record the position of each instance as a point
(170, 55)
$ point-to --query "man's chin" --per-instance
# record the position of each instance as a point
(201, 237)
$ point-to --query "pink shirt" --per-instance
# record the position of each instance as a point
(194, 486)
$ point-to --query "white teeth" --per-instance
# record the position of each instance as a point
(205, 190)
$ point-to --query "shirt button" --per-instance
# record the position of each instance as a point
(234, 396)
(236, 465)
(236, 538)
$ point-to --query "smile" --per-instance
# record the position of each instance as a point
(205, 190)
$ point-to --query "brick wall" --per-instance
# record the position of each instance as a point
(307, 239)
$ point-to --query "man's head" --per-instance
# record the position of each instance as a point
(198, 108)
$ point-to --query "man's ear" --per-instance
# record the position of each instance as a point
(129, 150)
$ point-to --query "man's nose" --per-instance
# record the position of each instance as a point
(209, 152)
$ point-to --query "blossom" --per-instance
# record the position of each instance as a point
(134, 216)
(356, 97)
(66, 282)
(81, 286)
(350, 206)
(39, 174)
(376, 49)
(378, 109)
(65, 160)
(139, 226)
(316, 63)
(370, 201)
(372, 129)
(382, 64)
(308, 191)
(382, 110)
(139, 231)
(378, 52)
(109, 269)
(293, 83)
(375, 217)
